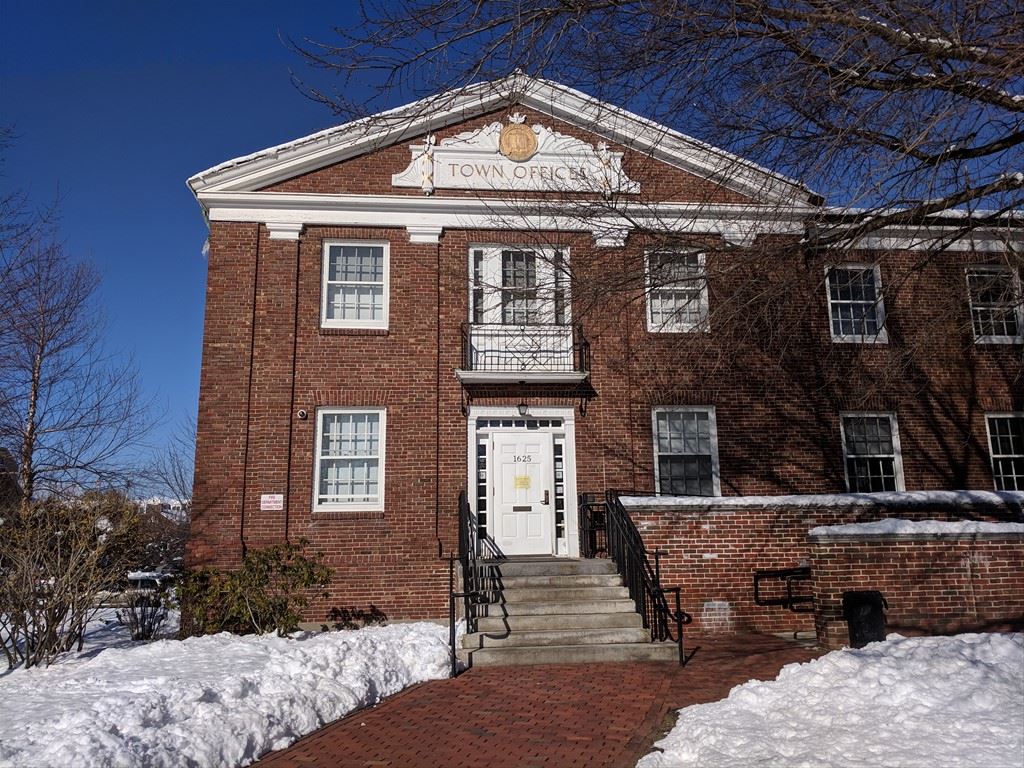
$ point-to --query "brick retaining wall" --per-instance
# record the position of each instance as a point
(933, 583)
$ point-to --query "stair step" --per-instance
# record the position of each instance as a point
(559, 621)
(562, 594)
(549, 607)
(553, 567)
(557, 637)
(562, 580)
(572, 654)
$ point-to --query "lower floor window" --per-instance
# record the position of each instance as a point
(1006, 444)
(350, 459)
(686, 451)
(871, 450)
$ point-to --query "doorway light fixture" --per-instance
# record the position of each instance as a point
(523, 408)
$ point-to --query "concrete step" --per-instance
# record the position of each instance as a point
(566, 580)
(562, 594)
(553, 567)
(560, 621)
(548, 607)
(556, 637)
(572, 654)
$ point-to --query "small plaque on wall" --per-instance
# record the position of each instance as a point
(271, 502)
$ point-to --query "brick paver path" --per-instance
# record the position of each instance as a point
(551, 716)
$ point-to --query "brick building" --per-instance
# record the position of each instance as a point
(532, 295)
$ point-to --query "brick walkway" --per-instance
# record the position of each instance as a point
(553, 716)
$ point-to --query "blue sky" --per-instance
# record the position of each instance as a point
(115, 104)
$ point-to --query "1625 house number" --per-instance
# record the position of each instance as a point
(523, 459)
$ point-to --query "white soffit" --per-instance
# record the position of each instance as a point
(252, 172)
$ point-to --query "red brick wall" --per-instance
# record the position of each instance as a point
(932, 585)
(713, 550)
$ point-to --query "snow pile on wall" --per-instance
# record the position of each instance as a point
(896, 526)
(887, 499)
(903, 703)
(220, 700)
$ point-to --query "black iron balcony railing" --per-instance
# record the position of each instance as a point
(525, 348)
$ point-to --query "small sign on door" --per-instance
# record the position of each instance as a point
(271, 502)
(523, 482)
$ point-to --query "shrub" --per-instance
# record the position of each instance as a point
(144, 612)
(268, 592)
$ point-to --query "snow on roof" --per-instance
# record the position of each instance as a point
(962, 499)
(897, 527)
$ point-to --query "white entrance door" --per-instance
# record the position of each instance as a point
(523, 493)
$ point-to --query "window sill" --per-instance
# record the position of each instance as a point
(328, 331)
(870, 341)
(340, 514)
(1002, 341)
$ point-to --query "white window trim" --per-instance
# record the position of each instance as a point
(355, 506)
(675, 325)
(988, 439)
(338, 323)
(492, 252)
(716, 480)
(897, 449)
(882, 337)
(1019, 307)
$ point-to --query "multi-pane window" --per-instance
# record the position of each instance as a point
(871, 449)
(677, 291)
(686, 451)
(355, 285)
(996, 308)
(519, 305)
(1006, 443)
(856, 309)
(349, 459)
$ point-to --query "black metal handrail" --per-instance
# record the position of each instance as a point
(525, 348)
(479, 577)
(622, 543)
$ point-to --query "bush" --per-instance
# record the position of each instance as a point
(267, 593)
(144, 612)
(57, 558)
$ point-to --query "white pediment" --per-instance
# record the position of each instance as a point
(547, 162)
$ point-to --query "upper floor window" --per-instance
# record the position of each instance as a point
(677, 291)
(686, 451)
(856, 309)
(355, 285)
(519, 286)
(349, 459)
(997, 314)
(871, 452)
(1006, 444)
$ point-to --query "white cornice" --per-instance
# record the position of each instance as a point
(426, 218)
(337, 144)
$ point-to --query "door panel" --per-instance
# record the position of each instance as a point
(522, 489)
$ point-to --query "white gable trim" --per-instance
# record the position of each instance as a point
(334, 145)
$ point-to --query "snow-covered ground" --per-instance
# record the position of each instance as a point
(906, 702)
(221, 700)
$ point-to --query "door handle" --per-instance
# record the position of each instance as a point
(547, 497)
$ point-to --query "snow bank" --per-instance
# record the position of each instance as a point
(883, 499)
(220, 700)
(903, 703)
(896, 526)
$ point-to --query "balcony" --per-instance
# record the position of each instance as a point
(524, 354)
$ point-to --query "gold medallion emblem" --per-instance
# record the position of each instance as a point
(518, 142)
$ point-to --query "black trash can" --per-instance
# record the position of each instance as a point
(864, 612)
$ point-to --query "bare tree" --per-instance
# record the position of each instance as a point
(172, 470)
(70, 410)
(895, 109)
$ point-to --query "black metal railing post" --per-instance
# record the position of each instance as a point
(626, 548)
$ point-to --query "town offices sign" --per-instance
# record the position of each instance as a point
(515, 157)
